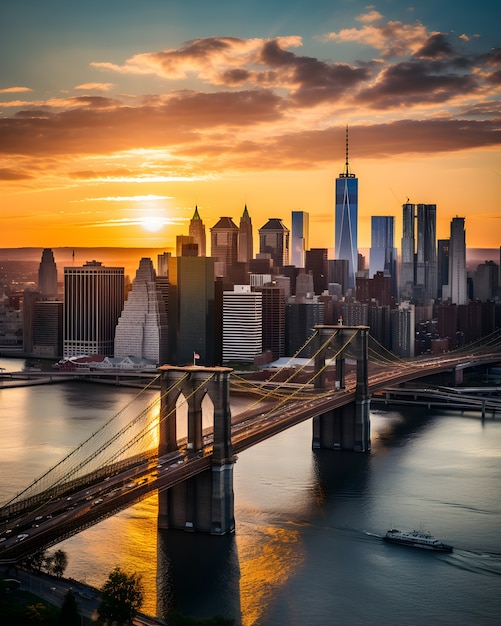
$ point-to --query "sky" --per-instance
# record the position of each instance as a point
(118, 117)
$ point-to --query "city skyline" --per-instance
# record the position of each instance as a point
(115, 126)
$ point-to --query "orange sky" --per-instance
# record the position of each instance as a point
(116, 147)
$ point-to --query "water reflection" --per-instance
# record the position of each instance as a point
(198, 575)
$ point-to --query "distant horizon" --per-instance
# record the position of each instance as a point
(474, 256)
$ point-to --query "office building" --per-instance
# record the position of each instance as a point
(346, 220)
(426, 259)
(408, 254)
(338, 273)
(316, 264)
(242, 324)
(142, 328)
(224, 245)
(300, 229)
(418, 270)
(442, 266)
(274, 303)
(47, 329)
(300, 321)
(457, 286)
(186, 246)
(403, 330)
(245, 238)
(47, 274)
(274, 240)
(93, 300)
(163, 264)
(197, 232)
(194, 312)
(383, 253)
(485, 281)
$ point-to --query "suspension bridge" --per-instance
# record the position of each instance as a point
(183, 443)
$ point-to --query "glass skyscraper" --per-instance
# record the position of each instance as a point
(346, 234)
(383, 254)
(299, 237)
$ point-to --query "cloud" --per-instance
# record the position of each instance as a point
(15, 90)
(263, 106)
(390, 39)
(94, 87)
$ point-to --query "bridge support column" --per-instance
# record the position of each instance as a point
(347, 427)
(204, 502)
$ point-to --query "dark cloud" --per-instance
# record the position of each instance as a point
(7, 174)
(437, 46)
(416, 82)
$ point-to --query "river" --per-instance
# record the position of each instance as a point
(308, 546)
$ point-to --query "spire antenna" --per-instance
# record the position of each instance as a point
(346, 165)
(346, 173)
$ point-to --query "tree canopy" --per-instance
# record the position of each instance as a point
(121, 597)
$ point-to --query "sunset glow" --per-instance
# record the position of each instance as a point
(112, 130)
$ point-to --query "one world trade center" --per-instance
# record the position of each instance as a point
(346, 238)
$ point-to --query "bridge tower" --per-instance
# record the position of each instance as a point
(203, 502)
(347, 427)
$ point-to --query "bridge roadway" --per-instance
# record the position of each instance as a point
(54, 521)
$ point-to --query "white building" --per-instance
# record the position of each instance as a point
(142, 328)
(242, 324)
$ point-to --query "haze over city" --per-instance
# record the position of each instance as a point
(116, 119)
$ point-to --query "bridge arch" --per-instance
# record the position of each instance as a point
(204, 502)
(347, 427)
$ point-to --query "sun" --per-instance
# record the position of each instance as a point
(152, 223)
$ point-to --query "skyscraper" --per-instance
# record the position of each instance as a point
(47, 274)
(426, 259)
(408, 260)
(224, 245)
(274, 240)
(299, 237)
(442, 265)
(142, 328)
(383, 254)
(93, 299)
(456, 290)
(242, 324)
(245, 238)
(197, 232)
(194, 315)
(418, 271)
(346, 218)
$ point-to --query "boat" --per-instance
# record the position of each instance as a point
(416, 539)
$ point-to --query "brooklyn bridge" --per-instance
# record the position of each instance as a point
(143, 449)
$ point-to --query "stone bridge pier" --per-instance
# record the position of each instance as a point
(204, 502)
(347, 427)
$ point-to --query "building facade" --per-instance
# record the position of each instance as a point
(197, 232)
(194, 312)
(47, 274)
(224, 245)
(245, 238)
(242, 324)
(142, 328)
(300, 229)
(93, 300)
(274, 240)
(457, 287)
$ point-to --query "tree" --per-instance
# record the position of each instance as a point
(69, 615)
(34, 562)
(121, 597)
(59, 563)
